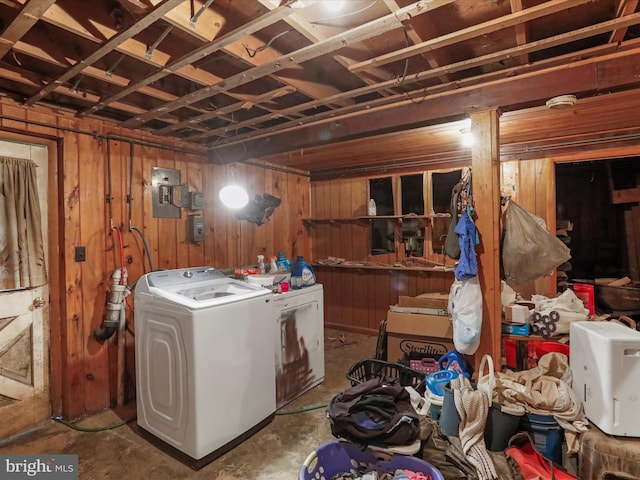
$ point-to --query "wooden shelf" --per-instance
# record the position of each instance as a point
(364, 266)
(533, 338)
(312, 221)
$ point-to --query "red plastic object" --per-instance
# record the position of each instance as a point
(533, 465)
(510, 352)
(546, 347)
(586, 293)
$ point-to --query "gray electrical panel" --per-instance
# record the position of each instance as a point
(196, 229)
(163, 186)
(196, 201)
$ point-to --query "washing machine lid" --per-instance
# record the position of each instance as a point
(199, 287)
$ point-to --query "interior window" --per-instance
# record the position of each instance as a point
(381, 190)
(412, 190)
(442, 184)
(381, 231)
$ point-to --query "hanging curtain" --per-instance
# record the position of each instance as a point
(22, 261)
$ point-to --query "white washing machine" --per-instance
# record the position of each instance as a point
(204, 361)
(299, 337)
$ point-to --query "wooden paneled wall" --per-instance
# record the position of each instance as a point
(357, 299)
(83, 369)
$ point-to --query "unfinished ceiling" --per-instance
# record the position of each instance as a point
(266, 76)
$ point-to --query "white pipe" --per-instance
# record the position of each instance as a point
(122, 346)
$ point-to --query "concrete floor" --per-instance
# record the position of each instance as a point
(275, 452)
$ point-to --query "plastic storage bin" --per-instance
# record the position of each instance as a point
(370, 368)
(547, 434)
(337, 457)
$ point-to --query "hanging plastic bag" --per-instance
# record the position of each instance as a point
(465, 306)
(529, 250)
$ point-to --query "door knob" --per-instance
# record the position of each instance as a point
(39, 302)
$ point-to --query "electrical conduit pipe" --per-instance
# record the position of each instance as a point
(118, 291)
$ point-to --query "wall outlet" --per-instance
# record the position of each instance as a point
(81, 254)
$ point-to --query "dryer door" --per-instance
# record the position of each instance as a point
(300, 359)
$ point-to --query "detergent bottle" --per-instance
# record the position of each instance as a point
(454, 360)
(283, 263)
(302, 273)
(274, 265)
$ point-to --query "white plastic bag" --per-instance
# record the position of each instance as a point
(568, 307)
(465, 307)
(421, 406)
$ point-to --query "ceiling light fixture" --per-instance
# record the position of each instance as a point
(467, 139)
(561, 101)
(234, 196)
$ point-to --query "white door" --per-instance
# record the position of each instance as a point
(24, 328)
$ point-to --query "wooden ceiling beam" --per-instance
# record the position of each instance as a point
(56, 57)
(27, 18)
(428, 25)
(258, 99)
(208, 27)
(539, 85)
(110, 45)
(626, 7)
(132, 48)
(368, 30)
(522, 36)
(34, 80)
(546, 8)
(305, 28)
(202, 52)
(455, 67)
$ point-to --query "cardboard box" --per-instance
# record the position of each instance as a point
(437, 301)
(424, 311)
(415, 332)
(515, 313)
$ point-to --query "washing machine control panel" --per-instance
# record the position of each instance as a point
(167, 278)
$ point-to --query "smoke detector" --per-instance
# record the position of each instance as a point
(561, 101)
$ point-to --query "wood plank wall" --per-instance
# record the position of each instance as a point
(358, 299)
(83, 369)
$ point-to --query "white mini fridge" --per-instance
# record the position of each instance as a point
(605, 362)
(299, 335)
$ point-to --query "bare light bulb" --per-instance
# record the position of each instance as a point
(234, 196)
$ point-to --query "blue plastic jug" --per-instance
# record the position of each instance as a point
(455, 361)
(302, 274)
(436, 381)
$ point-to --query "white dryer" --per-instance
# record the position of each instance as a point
(204, 361)
(299, 339)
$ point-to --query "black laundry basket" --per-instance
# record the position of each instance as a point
(370, 368)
